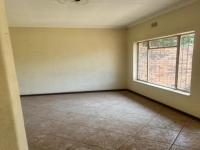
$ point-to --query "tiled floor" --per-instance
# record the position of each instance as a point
(106, 121)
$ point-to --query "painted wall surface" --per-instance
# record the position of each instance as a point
(12, 132)
(51, 60)
(181, 20)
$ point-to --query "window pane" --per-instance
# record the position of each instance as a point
(185, 62)
(165, 42)
(142, 61)
(162, 66)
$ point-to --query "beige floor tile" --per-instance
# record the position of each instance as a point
(39, 125)
(82, 133)
(48, 142)
(105, 120)
(143, 144)
(125, 127)
(193, 125)
(65, 131)
(167, 123)
(76, 119)
(175, 147)
(84, 147)
(107, 140)
(134, 118)
(158, 134)
(173, 114)
(188, 139)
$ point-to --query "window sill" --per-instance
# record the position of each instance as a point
(164, 88)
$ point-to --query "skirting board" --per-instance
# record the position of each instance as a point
(75, 92)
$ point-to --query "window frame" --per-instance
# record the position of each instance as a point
(177, 60)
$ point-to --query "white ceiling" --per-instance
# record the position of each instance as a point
(95, 13)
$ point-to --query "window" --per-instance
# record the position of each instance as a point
(166, 61)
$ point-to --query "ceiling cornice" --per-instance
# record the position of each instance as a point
(73, 26)
(157, 14)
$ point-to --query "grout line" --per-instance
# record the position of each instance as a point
(135, 136)
(75, 141)
(176, 138)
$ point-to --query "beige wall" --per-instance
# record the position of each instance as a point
(51, 60)
(12, 133)
(185, 19)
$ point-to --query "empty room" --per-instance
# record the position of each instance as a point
(99, 74)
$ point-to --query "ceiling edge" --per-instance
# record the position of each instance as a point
(71, 26)
(157, 14)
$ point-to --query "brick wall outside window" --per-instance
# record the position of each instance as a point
(162, 66)
(158, 65)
